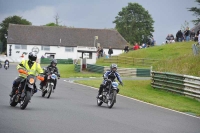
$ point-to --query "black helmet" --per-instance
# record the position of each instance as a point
(54, 61)
(32, 56)
(113, 67)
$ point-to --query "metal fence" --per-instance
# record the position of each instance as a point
(182, 84)
(122, 71)
(59, 61)
(196, 49)
(131, 61)
(77, 68)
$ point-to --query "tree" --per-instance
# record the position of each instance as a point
(196, 12)
(134, 23)
(4, 27)
(51, 24)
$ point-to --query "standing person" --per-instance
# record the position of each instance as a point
(179, 36)
(187, 34)
(101, 52)
(110, 51)
(192, 35)
(98, 52)
(199, 39)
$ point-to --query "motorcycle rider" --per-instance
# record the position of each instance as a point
(51, 67)
(111, 74)
(32, 67)
(6, 62)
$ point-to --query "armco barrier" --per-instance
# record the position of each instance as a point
(122, 71)
(182, 84)
(143, 72)
(77, 68)
(95, 68)
(59, 61)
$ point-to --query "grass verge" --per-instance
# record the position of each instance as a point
(67, 71)
(142, 90)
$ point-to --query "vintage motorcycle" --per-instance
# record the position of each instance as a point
(27, 92)
(109, 94)
(48, 87)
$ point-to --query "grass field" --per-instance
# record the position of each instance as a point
(175, 58)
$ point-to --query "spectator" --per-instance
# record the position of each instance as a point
(136, 46)
(153, 42)
(110, 51)
(98, 49)
(126, 49)
(192, 35)
(144, 45)
(198, 32)
(170, 38)
(149, 41)
(196, 37)
(199, 38)
(100, 52)
(187, 34)
(179, 36)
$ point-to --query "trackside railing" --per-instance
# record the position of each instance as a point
(131, 61)
(182, 84)
(122, 71)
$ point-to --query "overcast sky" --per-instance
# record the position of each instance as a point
(168, 15)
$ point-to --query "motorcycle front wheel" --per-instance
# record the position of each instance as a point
(49, 90)
(112, 99)
(99, 102)
(25, 100)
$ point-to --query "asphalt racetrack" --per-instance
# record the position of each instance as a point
(72, 109)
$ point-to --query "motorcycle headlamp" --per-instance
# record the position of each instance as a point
(31, 80)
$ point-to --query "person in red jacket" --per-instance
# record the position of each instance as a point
(136, 47)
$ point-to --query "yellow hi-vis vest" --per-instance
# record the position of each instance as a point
(35, 69)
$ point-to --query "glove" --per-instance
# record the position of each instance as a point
(121, 83)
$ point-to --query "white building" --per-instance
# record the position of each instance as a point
(61, 42)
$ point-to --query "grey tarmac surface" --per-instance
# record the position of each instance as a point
(72, 109)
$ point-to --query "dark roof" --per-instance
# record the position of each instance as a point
(47, 35)
(196, 28)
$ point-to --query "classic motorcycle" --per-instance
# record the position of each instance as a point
(6, 66)
(27, 92)
(109, 94)
(48, 87)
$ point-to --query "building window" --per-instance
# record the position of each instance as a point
(17, 46)
(69, 49)
(45, 48)
(20, 46)
(23, 46)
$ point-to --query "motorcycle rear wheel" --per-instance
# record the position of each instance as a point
(12, 101)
